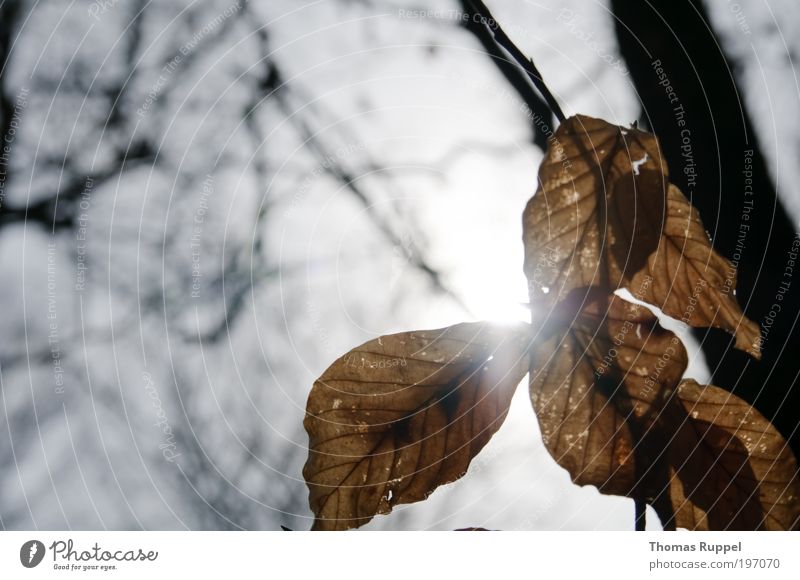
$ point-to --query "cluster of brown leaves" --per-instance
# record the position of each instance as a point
(399, 416)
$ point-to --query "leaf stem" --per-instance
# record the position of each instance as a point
(640, 515)
(526, 63)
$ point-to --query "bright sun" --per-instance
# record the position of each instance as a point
(494, 287)
(481, 235)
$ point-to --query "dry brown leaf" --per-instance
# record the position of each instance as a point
(729, 467)
(593, 221)
(596, 383)
(605, 215)
(689, 281)
(614, 413)
(400, 415)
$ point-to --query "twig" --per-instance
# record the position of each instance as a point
(539, 110)
(526, 63)
(641, 515)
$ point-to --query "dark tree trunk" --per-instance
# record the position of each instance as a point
(707, 158)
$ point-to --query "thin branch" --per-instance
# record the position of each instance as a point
(46, 211)
(640, 515)
(526, 63)
(516, 77)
